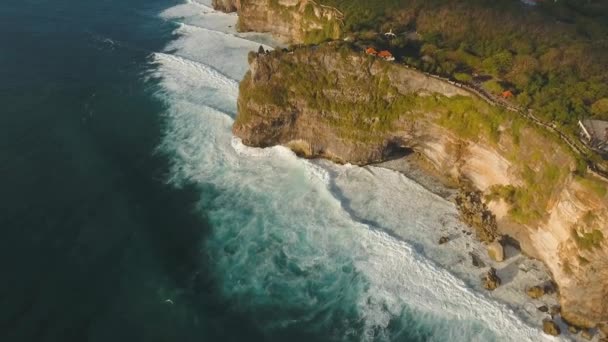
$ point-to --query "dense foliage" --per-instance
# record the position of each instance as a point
(554, 56)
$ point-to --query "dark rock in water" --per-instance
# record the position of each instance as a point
(550, 287)
(475, 213)
(491, 281)
(543, 308)
(536, 292)
(551, 328)
(555, 310)
(444, 239)
(476, 260)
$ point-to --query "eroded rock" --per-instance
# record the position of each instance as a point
(491, 281)
(551, 328)
(476, 260)
(496, 252)
(475, 213)
(536, 292)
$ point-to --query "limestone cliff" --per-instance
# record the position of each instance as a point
(292, 21)
(227, 6)
(335, 102)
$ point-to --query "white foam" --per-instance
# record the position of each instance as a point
(270, 194)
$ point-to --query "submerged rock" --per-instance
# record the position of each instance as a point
(443, 240)
(476, 260)
(543, 308)
(491, 281)
(573, 330)
(496, 251)
(551, 328)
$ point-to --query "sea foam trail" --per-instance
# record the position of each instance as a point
(283, 242)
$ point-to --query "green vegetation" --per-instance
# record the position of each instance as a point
(595, 185)
(364, 108)
(554, 57)
(588, 241)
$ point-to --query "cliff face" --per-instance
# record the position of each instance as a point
(227, 6)
(334, 102)
(292, 21)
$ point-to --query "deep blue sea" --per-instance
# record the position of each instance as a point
(128, 211)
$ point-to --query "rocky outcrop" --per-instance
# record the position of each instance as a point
(490, 280)
(292, 21)
(496, 251)
(535, 292)
(551, 328)
(335, 102)
(474, 212)
(227, 6)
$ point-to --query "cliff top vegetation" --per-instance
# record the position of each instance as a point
(554, 56)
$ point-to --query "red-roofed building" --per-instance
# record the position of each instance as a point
(386, 55)
(371, 51)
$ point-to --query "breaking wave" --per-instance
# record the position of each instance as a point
(292, 242)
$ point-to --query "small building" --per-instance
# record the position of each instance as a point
(595, 134)
(507, 94)
(371, 51)
(386, 55)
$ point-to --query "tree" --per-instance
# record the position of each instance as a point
(600, 109)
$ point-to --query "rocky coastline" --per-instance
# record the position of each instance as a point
(491, 164)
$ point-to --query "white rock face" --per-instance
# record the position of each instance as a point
(496, 251)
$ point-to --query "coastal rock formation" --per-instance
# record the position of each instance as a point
(496, 251)
(227, 6)
(476, 260)
(490, 280)
(551, 328)
(535, 292)
(475, 213)
(335, 102)
(292, 21)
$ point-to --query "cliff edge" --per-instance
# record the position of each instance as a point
(291, 21)
(335, 102)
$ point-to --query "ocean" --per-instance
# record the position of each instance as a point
(131, 213)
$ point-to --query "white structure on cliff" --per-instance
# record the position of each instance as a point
(595, 133)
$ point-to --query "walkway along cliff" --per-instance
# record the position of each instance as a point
(335, 102)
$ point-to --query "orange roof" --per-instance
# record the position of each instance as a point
(371, 51)
(507, 94)
(384, 54)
